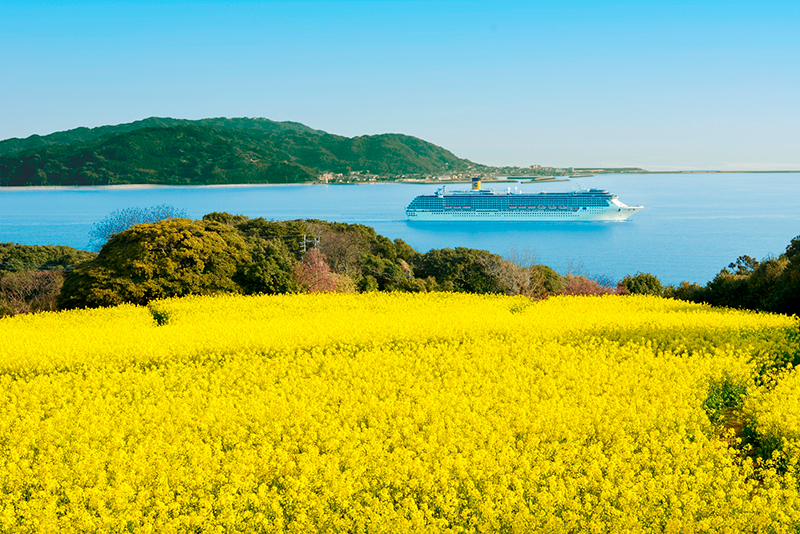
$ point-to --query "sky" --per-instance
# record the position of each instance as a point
(659, 85)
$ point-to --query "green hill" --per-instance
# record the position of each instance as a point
(212, 151)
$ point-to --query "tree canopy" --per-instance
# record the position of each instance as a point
(120, 220)
(642, 284)
(14, 257)
(174, 257)
(772, 284)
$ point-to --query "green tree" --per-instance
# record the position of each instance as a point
(786, 297)
(290, 232)
(728, 289)
(270, 270)
(387, 274)
(685, 291)
(642, 284)
(468, 270)
(544, 278)
(225, 218)
(764, 281)
(15, 257)
(743, 266)
(169, 258)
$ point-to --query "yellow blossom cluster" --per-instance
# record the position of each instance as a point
(772, 415)
(389, 413)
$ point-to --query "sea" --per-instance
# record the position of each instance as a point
(691, 227)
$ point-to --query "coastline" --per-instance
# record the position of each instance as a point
(496, 180)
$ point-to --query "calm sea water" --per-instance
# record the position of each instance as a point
(691, 225)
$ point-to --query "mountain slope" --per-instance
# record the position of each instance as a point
(211, 151)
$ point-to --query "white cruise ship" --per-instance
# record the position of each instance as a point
(496, 205)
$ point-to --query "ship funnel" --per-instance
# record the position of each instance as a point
(476, 184)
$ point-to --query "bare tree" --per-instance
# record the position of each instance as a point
(29, 291)
(120, 220)
(522, 276)
(341, 248)
(525, 258)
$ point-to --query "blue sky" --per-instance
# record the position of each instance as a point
(658, 85)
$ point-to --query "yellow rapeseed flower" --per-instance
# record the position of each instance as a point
(395, 412)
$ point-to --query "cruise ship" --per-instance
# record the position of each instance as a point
(497, 205)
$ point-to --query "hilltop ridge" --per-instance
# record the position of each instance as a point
(215, 151)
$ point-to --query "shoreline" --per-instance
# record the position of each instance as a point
(506, 179)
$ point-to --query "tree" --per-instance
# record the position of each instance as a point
(642, 284)
(685, 291)
(786, 297)
(313, 273)
(120, 220)
(463, 269)
(270, 270)
(764, 282)
(225, 218)
(545, 281)
(728, 289)
(169, 258)
(290, 232)
(580, 285)
(15, 257)
(29, 291)
(744, 265)
(388, 275)
(342, 247)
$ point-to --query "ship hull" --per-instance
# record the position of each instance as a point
(616, 214)
(493, 205)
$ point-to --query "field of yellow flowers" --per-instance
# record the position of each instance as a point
(400, 413)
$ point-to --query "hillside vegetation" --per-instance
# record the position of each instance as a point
(235, 254)
(212, 151)
(399, 412)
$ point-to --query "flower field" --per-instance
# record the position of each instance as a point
(399, 412)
